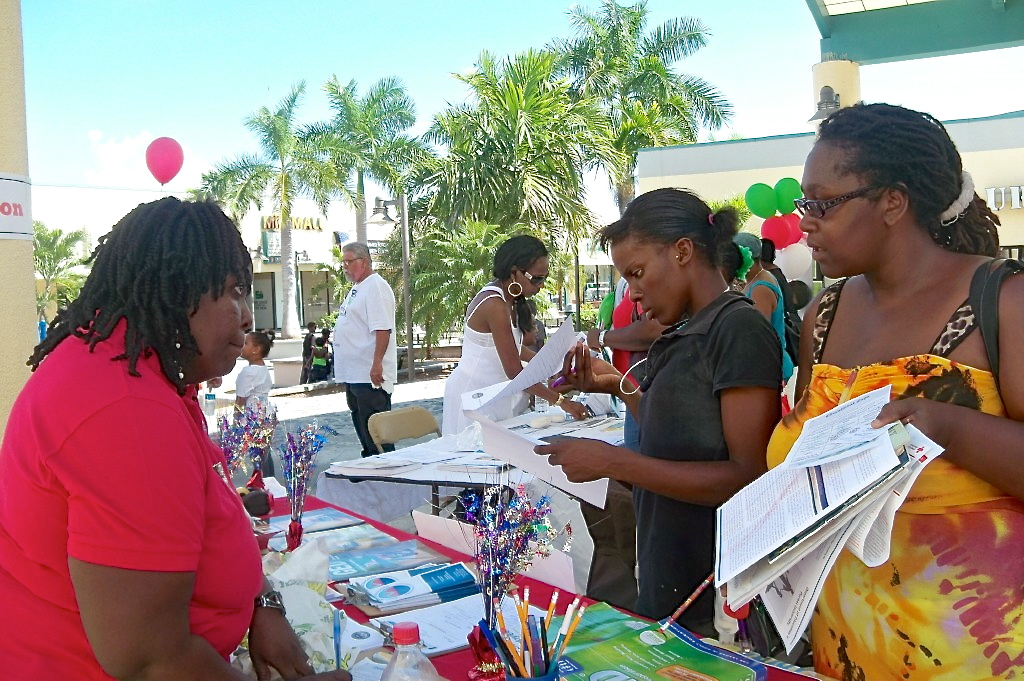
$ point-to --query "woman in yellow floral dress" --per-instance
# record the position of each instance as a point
(889, 208)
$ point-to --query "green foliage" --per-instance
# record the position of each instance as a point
(736, 201)
(647, 103)
(55, 256)
(368, 135)
(588, 315)
(292, 162)
(516, 153)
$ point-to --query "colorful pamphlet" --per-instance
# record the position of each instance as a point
(346, 565)
(401, 590)
(613, 645)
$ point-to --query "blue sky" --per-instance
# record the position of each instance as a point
(105, 77)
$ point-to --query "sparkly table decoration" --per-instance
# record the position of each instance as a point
(298, 456)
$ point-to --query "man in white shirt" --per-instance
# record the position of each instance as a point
(365, 355)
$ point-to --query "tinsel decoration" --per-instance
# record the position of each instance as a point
(245, 439)
(510, 532)
(298, 456)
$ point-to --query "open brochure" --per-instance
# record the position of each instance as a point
(817, 510)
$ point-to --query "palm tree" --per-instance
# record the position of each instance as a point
(292, 162)
(630, 71)
(55, 255)
(369, 137)
(517, 152)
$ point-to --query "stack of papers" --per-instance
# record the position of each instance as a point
(475, 463)
(340, 539)
(839, 487)
(372, 466)
(403, 590)
(313, 521)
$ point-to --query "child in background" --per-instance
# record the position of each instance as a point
(319, 369)
(254, 383)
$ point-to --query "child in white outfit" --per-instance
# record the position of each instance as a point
(254, 383)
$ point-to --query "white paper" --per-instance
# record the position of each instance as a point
(517, 449)
(540, 368)
(554, 569)
(840, 432)
(872, 536)
(367, 669)
(791, 598)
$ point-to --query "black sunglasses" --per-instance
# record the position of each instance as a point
(816, 209)
(536, 280)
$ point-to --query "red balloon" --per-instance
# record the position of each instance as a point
(777, 229)
(164, 158)
(795, 233)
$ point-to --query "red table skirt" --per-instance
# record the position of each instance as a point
(455, 665)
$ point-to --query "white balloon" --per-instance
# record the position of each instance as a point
(794, 260)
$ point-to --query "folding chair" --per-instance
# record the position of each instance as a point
(389, 427)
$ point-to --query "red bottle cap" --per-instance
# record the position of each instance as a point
(405, 633)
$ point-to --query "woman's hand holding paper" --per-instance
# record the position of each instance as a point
(582, 460)
(586, 373)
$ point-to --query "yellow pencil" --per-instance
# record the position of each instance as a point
(551, 607)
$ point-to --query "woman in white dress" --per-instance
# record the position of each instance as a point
(492, 346)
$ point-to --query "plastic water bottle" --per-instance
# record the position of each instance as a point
(408, 663)
(209, 404)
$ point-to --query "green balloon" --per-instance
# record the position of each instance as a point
(786, 190)
(760, 200)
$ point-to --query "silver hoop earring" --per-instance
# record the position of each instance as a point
(518, 293)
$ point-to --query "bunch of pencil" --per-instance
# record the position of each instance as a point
(540, 651)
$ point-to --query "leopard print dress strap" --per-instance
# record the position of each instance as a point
(956, 330)
(823, 322)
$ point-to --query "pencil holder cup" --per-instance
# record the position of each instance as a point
(553, 675)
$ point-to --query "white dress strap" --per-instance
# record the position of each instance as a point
(496, 293)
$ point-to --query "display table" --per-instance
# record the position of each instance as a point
(389, 497)
(455, 665)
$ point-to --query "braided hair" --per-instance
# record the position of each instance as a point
(151, 270)
(895, 147)
(519, 253)
(667, 215)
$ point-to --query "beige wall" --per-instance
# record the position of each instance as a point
(17, 313)
(991, 151)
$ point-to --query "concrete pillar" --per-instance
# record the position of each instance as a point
(842, 76)
(18, 310)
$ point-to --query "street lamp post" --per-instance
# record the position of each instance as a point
(380, 216)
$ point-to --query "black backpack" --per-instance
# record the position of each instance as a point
(791, 321)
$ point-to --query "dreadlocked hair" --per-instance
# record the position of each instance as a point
(894, 147)
(151, 270)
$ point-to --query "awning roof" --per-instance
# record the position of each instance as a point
(877, 31)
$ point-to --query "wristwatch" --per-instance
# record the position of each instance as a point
(600, 338)
(271, 599)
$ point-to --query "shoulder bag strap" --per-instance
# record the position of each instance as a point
(984, 297)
